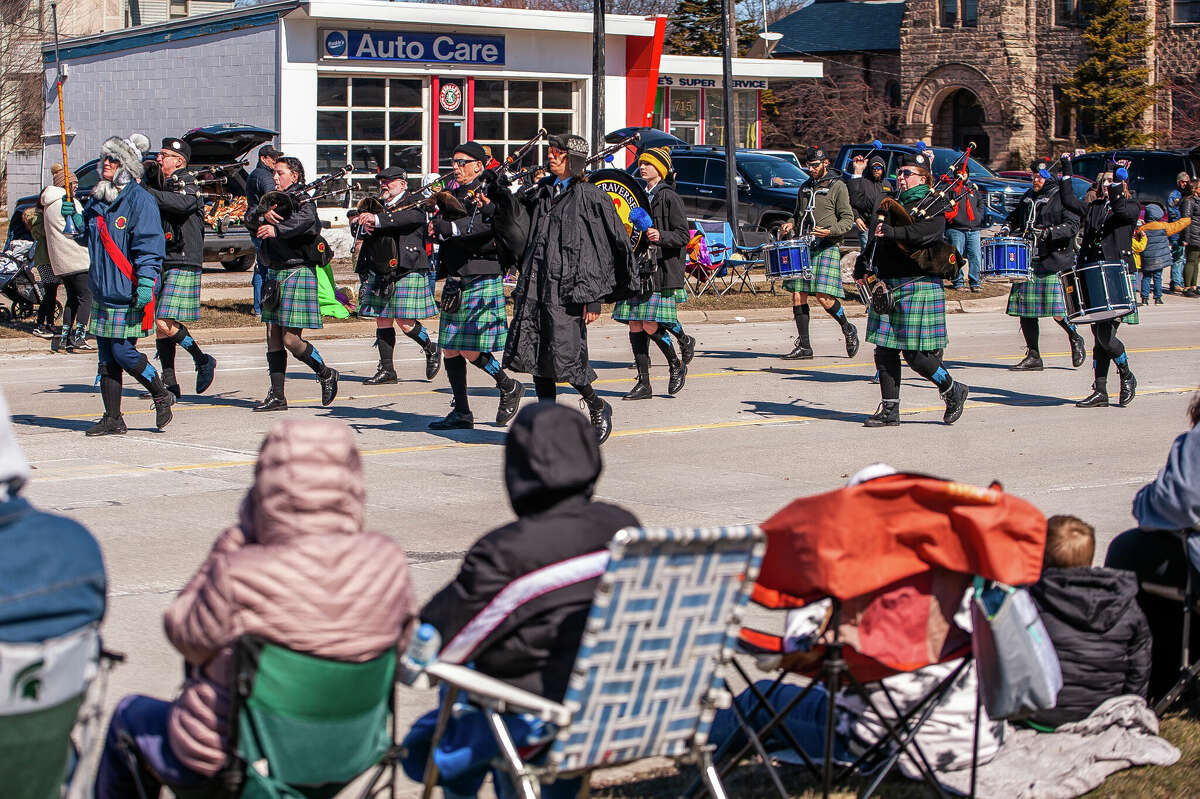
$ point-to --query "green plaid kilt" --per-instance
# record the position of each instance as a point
(115, 322)
(918, 321)
(178, 295)
(827, 275)
(1037, 297)
(297, 299)
(679, 295)
(479, 324)
(411, 298)
(658, 307)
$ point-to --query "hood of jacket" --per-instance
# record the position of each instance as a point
(14, 469)
(876, 159)
(1093, 600)
(308, 481)
(551, 455)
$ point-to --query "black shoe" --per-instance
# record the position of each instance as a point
(162, 409)
(328, 386)
(641, 389)
(272, 402)
(1158, 300)
(433, 361)
(108, 426)
(956, 398)
(455, 420)
(510, 402)
(851, 340)
(1128, 388)
(678, 378)
(687, 347)
(1097, 399)
(383, 376)
(1030, 363)
(601, 416)
(800, 352)
(1078, 350)
(205, 372)
(886, 415)
(44, 332)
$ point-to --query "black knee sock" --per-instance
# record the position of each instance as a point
(385, 339)
(547, 390)
(838, 313)
(800, 314)
(929, 366)
(419, 335)
(1067, 326)
(488, 363)
(639, 342)
(277, 368)
(675, 328)
(1031, 329)
(110, 389)
(456, 373)
(166, 353)
(183, 338)
(663, 339)
(312, 359)
(588, 393)
(887, 362)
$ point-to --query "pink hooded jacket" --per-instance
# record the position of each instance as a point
(297, 569)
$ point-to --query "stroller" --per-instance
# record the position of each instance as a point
(18, 281)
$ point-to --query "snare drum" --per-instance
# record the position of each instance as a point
(1097, 292)
(788, 259)
(1006, 258)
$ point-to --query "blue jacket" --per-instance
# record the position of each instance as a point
(1172, 500)
(1173, 212)
(51, 576)
(136, 228)
(260, 181)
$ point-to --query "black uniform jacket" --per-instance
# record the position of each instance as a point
(396, 246)
(182, 214)
(866, 193)
(472, 251)
(1107, 227)
(891, 261)
(1055, 223)
(292, 243)
(666, 209)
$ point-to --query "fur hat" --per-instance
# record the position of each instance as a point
(14, 469)
(59, 177)
(659, 158)
(128, 152)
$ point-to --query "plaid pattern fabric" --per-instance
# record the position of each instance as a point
(827, 275)
(411, 299)
(297, 299)
(918, 321)
(1039, 296)
(479, 324)
(119, 322)
(659, 307)
(178, 295)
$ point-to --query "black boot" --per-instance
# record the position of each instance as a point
(1078, 350)
(272, 402)
(329, 384)
(455, 420)
(384, 375)
(111, 423)
(687, 347)
(886, 415)
(108, 426)
(851, 333)
(800, 352)
(510, 401)
(1128, 386)
(163, 400)
(676, 364)
(433, 360)
(1097, 399)
(1032, 362)
(955, 398)
(206, 370)
(641, 389)
(170, 381)
(600, 413)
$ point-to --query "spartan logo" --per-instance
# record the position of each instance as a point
(27, 683)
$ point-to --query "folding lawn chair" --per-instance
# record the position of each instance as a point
(1189, 598)
(749, 247)
(708, 258)
(648, 677)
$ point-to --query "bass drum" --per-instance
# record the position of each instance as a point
(626, 194)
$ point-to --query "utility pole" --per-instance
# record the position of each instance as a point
(598, 68)
(728, 48)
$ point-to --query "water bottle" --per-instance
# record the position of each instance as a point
(422, 651)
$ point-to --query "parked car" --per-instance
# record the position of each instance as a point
(213, 147)
(786, 155)
(1079, 185)
(1000, 196)
(1152, 173)
(650, 137)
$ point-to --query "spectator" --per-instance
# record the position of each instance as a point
(1190, 207)
(1183, 188)
(44, 324)
(1157, 255)
(963, 223)
(1094, 622)
(551, 464)
(296, 568)
(1169, 502)
(260, 181)
(866, 187)
(69, 260)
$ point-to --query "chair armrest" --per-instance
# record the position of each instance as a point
(500, 696)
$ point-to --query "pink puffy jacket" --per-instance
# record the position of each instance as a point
(297, 569)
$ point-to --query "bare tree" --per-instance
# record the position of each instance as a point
(1185, 115)
(821, 113)
(20, 78)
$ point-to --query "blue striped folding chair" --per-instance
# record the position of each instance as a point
(649, 674)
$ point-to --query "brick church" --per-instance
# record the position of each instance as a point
(990, 71)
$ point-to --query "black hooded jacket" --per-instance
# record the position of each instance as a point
(1108, 222)
(866, 192)
(1055, 223)
(1100, 635)
(551, 465)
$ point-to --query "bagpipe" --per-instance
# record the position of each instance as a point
(285, 203)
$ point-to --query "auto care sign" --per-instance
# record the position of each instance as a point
(413, 46)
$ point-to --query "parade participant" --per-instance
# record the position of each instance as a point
(578, 256)
(1042, 216)
(260, 181)
(288, 240)
(823, 211)
(473, 322)
(963, 222)
(916, 326)
(865, 188)
(69, 260)
(394, 267)
(648, 315)
(1108, 222)
(125, 242)
(178, 293)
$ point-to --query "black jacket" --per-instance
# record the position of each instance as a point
(397, 244)
(1100, 635)
(1055, 224)
(893, 262)
(472, 250)
(1190, 206)
(551, 466)
(182, 214)
(260, 181)
(1108, 225)
(671, 222)
(294, 237)
(865, 193)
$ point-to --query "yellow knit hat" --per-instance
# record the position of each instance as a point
(659, 158)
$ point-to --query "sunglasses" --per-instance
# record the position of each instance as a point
(908, 173)
(465, 161)
(814, 164)
(108, 159)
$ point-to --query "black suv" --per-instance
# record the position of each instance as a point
(1152, 173)
(212, 146)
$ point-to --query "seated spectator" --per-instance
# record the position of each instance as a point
(296, 568)
(1169, 502)
(1092, 617)
(551, 464)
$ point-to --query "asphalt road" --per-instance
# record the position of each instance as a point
(748, 434)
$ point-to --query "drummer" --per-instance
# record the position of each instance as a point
(822, 211)
(1108, 222)
(1042, 219)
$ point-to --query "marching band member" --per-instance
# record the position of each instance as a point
(394, 268)
(647, 316)
(825, 201)
(473, 322)
(1043, 213)
(916, 326)
(178, 296)
(289, 299)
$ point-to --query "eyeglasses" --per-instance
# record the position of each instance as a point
(907, 173)
(464, 161)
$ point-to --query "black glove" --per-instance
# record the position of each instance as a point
(1065, 160)
(495, 189)
(1116, 191)
(888, 232)
(442, 228)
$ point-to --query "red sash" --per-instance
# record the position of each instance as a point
(118, 258)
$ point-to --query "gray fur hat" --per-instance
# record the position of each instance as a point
(14, 469)
(128, 151)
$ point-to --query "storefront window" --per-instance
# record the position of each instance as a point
(685, 114)
(509, 113)
(745, 111)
